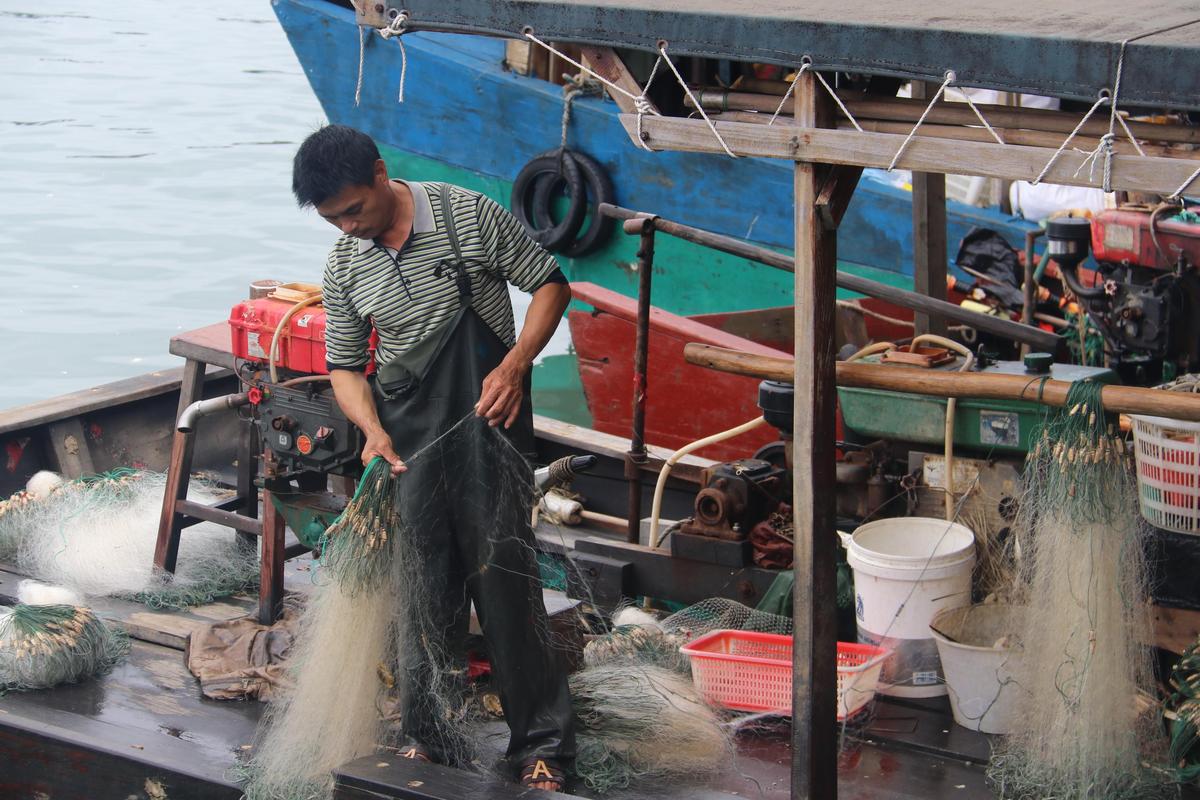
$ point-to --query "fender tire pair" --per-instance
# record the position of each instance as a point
(586, 184)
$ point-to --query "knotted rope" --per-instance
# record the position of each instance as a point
(395, 28)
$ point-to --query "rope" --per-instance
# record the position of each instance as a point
(395, 29)
(806, 66)
(1178, 193)
(1099, 102)
(937, 95)
(967, 96)
(643, 106)
(362, 43)
(575, 86)
(641, 103)
(662, 51)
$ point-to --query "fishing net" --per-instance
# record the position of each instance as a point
(640, 722)
(44, 646)
(1182, 712)
(96, 535)
(1079, 731)
(374, 641)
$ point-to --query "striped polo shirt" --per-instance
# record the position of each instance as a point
(404, 295)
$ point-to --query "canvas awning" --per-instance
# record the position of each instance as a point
(1067, 48)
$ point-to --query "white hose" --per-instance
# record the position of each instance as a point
(951, 406)
(680, 453)
(283, 321)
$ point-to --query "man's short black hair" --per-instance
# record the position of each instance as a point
(329, 160)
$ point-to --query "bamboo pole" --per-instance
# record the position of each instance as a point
(965, 134)
(903, 109)
(935, 383)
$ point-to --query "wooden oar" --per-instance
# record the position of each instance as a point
(935, 383)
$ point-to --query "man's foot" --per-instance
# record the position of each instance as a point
(543, 773)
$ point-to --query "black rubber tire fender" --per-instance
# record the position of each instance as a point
(599, 190)
(550, 166)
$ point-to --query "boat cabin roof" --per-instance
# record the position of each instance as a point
(1068, 48)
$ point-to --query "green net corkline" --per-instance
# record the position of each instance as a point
(359, 547)
(44, 646)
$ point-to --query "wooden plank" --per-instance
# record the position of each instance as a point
(604, 61)
(166, 548)
(1015, 162)
(929, 236)
(211, 344)
(606, 445)
(76, 404)
(70, 446)
(814, 649)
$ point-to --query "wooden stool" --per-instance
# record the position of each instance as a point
(201, 348)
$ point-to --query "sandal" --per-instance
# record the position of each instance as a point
(542, 770)
(416, 752)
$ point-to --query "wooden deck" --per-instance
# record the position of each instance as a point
(144, 731)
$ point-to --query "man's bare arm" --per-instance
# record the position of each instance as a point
(503, 388)
(354, 396)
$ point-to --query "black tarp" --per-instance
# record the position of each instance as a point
(1068, 48)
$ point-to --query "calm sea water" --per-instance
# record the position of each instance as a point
(145, 168)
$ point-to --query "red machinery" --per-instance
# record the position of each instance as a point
(1145, 296)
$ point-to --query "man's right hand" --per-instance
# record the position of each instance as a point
(380, 444)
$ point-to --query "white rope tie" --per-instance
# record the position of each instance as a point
(662, 51)
(643, 106)
(641, 103)
(1099, 102)
(936, 96)
(362, 45)
(395, 29)
(1178, 193)
(806, 66)
(967, 96)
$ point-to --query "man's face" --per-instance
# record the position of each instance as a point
(364, 212)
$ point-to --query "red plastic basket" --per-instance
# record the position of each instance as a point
(751, 671)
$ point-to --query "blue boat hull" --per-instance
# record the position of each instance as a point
(462, 109)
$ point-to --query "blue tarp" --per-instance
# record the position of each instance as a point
(1065, 48)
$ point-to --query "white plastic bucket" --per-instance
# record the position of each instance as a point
(906, 570)
(978, 664)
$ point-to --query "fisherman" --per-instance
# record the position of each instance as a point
(427, 266)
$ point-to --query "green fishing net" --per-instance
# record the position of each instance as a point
(44, 646)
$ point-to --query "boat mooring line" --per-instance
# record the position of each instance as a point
(395, 29)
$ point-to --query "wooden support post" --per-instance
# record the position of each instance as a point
(166, 549)
(270, 586)
(247, 471)
(814, 648)
(636, 457)
(929, 235)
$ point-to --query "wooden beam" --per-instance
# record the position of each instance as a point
(814, 645)
(837, 189)
(604, 61)
(924, 154)
(929, 235)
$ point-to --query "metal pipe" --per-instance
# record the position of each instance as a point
(202, 408)
(1027, 334)
(1027, 288)
(637, 442)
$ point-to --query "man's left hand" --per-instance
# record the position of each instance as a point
(502, 393)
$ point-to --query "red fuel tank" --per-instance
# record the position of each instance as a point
(252, 324)
(1123, 235)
